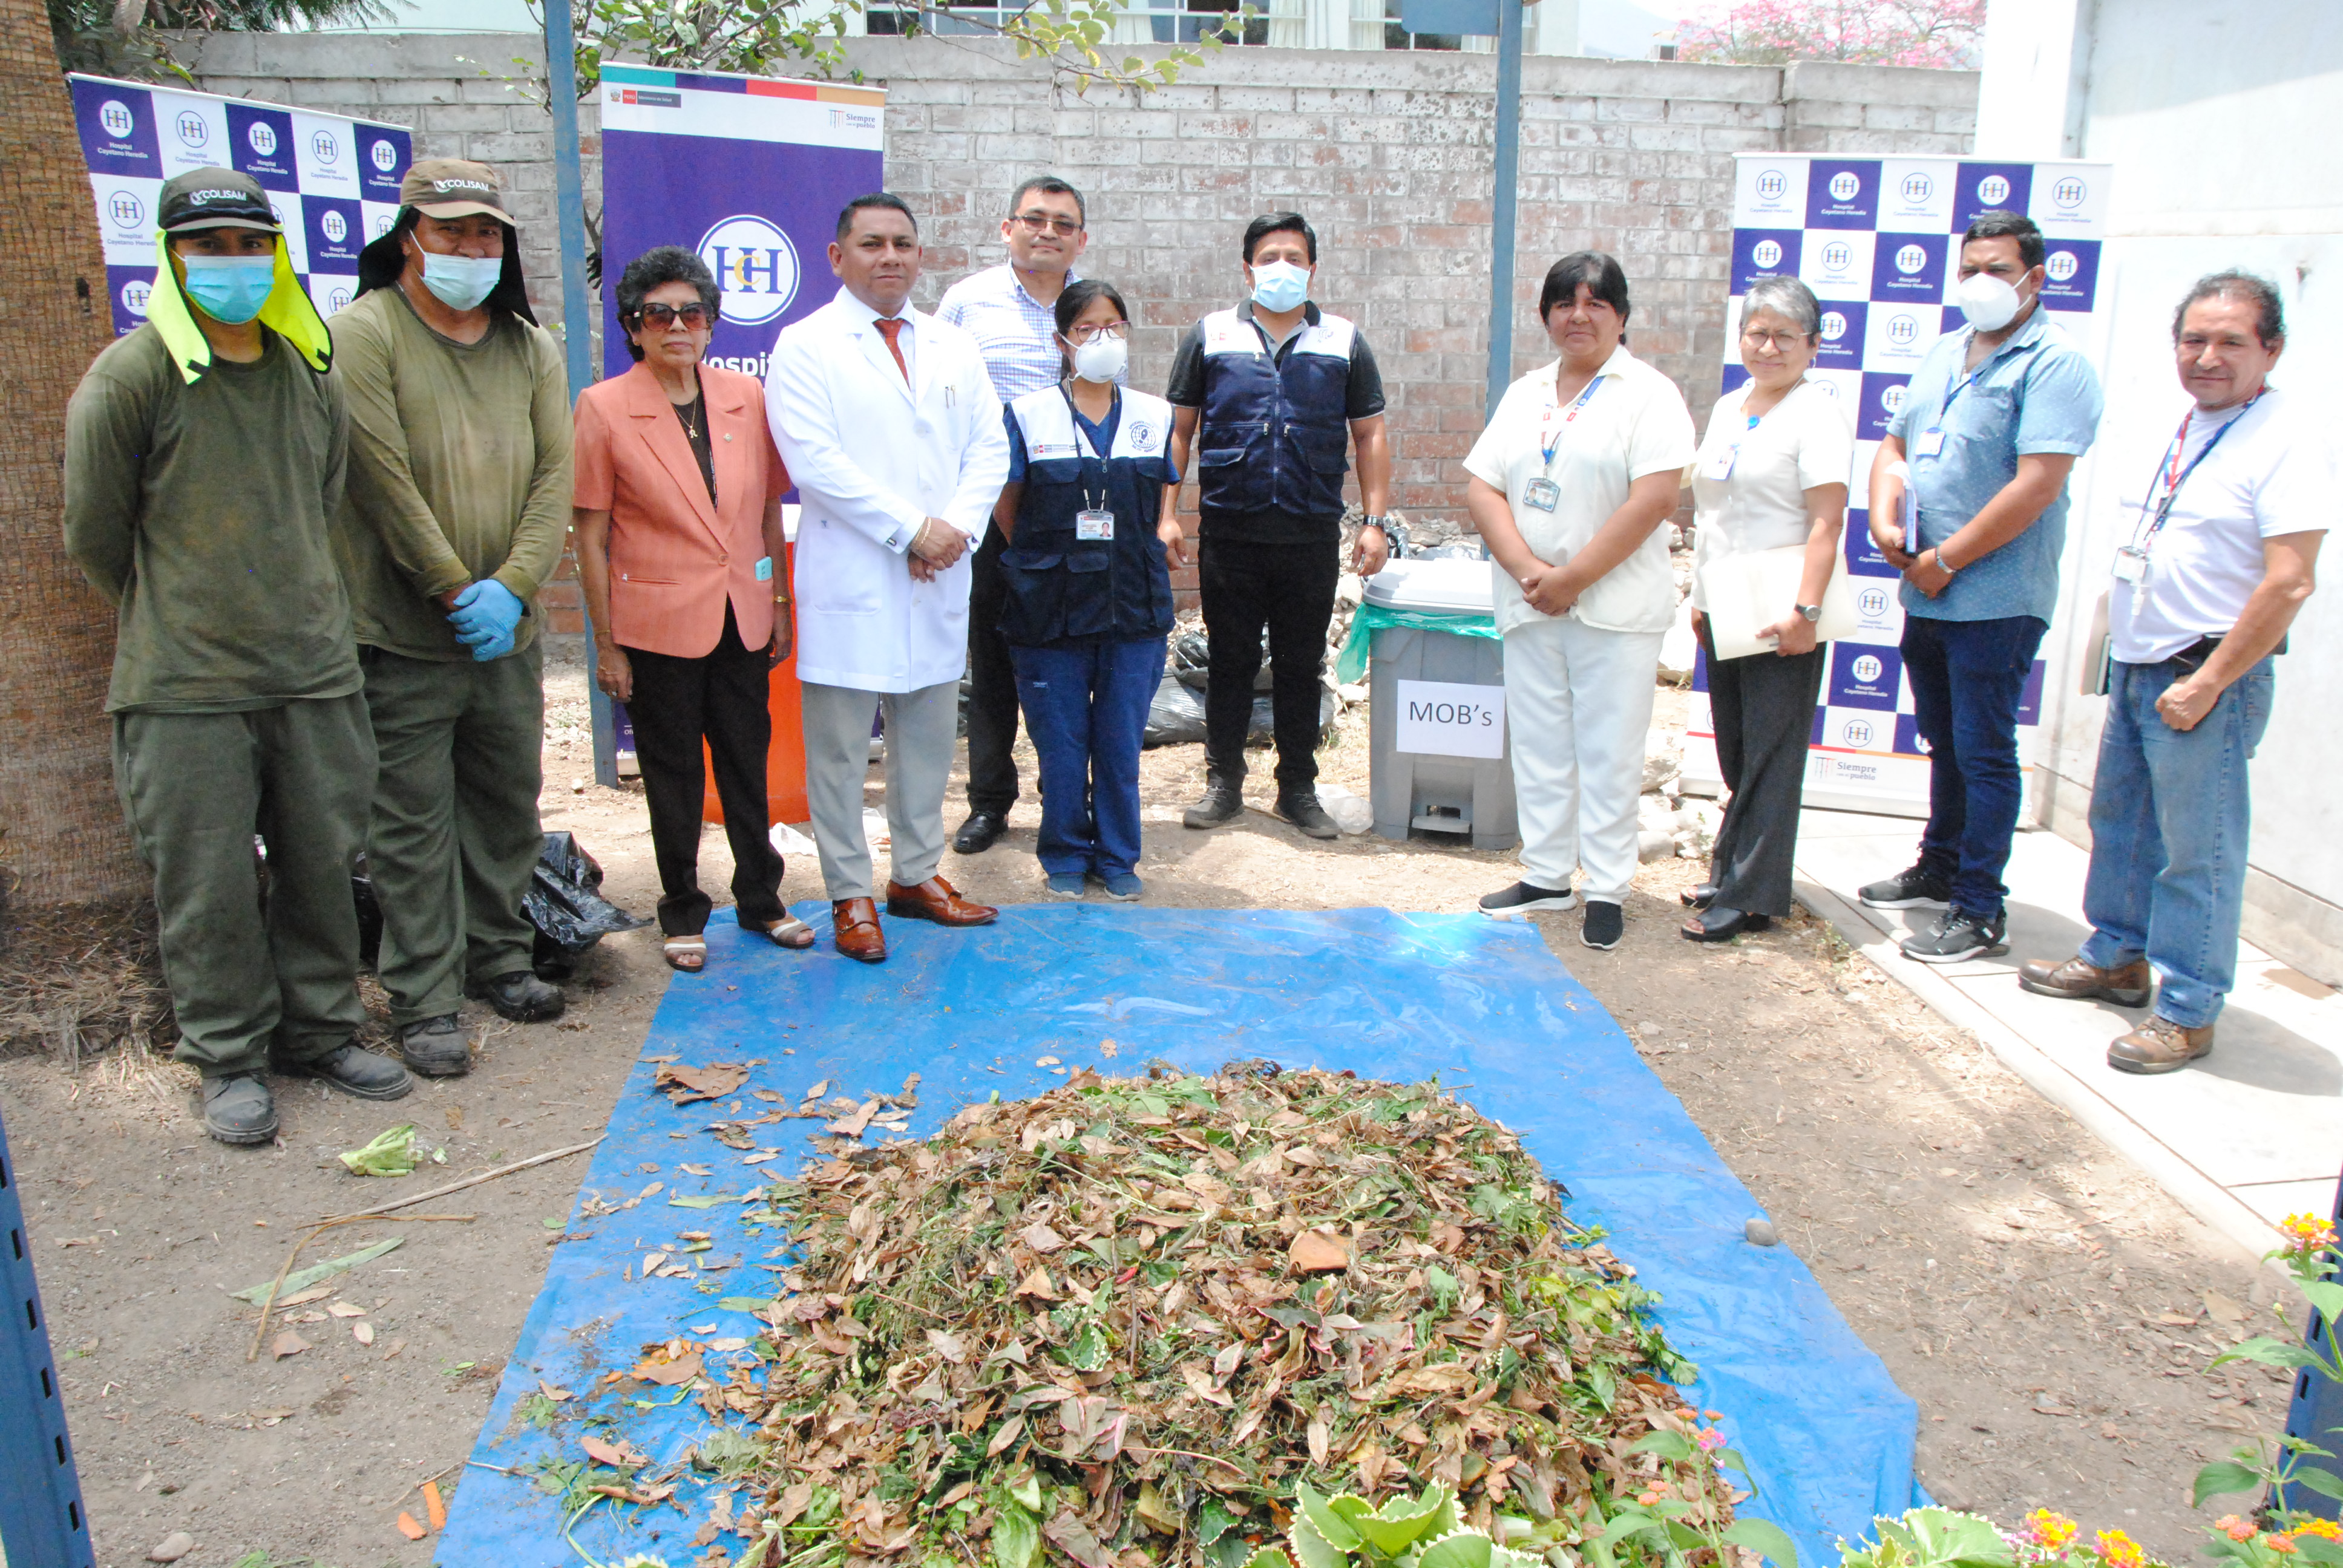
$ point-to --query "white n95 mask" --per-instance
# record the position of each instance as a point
(1101, 359)
(1990, 304)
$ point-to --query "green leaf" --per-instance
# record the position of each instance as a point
(1768, 1539)
(1404, 1521)
(1086, 1352)
(1027, 1490)
(1269, 1557)
(2220, 1477)
(707, 1202)
(2269, 1351)
(1670, 1445)
(1328, 1525)
(1015, 1538)
(392, 1153)
(1313, 1549)
(302, 1279)
(743, 1304)
(1459, 1549)
(1214, 1521)
(2318, 1549)
(2326, 1295)
(2311, 1479)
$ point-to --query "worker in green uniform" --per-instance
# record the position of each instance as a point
(204, 460)
(458, 502)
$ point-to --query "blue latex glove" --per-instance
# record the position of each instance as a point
(485, 618)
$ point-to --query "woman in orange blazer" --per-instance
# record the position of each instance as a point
(678, 520)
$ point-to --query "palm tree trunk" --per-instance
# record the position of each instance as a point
(62, 838)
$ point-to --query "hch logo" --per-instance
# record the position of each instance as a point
(1866, 667)
(2069, 193)
(334, 226)
(1892, 398)
(1993, 190)
(336, 299)
(385, 156)
(134, 296)
(1834, 326)
(1771, 185)
(755, 266)
(2062, 267)
(1902, 330)
(262, 139)
(114, 116)
(1838, 255)
(125, 209)
(1845, 185)
(193, 130)
(1911, 258)
(1872, 602)
(1857, 732)
(382, 222)
(1918, 187)
(1767, 253)
(322, 147)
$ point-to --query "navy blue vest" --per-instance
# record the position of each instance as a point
(1062, 586)
(1274, 432)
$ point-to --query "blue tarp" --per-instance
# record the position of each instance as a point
(1826, 1433)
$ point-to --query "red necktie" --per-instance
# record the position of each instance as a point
(891, 327)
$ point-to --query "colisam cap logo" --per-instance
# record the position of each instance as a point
(1845, 185)
(385, 156)
(125, 209)
(2069, 192)
(1838, 255)
(116, 117)
(1771, 185)
(755, 266)
(193, 131)
(1902, 330)
(135, 294)
(1911, 258)
(2062, 266)
(1918, 187)
(1866, 667)
(1993, 190)
(262, 138)
(1834, 326)
(334, 228)
(324, 147)
(1767, 253)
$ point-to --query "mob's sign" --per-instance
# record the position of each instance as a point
(750, 173)
(1443, 718)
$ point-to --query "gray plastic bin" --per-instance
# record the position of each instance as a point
(1432, 792)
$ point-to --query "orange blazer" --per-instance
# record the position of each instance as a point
(676, 556)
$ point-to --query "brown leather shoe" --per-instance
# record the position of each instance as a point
(936, 899)
(2078, 981)
(2159, 1045)
(857, 929)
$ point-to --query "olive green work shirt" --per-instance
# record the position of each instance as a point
(204, 511)
(459, 469)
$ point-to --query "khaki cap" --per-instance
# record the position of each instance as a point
(452, 188)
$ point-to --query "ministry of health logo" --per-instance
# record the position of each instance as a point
(1767, 253)
(2062, 267)
(1911, 258)
(1845, 185)
(1993, 190)
(193, 130)
(262, 138)
(114, 116)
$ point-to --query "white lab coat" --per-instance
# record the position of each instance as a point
(872, 459)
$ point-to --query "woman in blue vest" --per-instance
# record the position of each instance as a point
(1089, 599)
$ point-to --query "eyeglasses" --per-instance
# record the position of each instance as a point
(659, 317)
(1090, 332)
(1754, 339)
(1035, 222)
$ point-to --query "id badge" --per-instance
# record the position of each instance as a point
(1930, 443)
(2131, 565)
(764, 568)
(1093, 525)
(1542, 495)
(1718, 464)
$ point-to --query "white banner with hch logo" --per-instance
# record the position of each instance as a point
(1443, 719)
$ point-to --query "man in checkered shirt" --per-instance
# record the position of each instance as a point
(1011, 310)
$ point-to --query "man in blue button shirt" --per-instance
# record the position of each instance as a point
(1990, 428)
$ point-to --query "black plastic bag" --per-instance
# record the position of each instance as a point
(1192, 657)
(565, 905)
(1176, 716)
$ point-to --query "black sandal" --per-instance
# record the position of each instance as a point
(1698, 898)
(1718, 924)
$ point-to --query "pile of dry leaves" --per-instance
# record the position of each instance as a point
(1119, 1324)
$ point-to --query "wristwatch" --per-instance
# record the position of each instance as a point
(1813, 612)
(1377, 520)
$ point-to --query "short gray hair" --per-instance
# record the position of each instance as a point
(1786, 297)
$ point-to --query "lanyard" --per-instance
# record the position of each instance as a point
(2173, 476)
(1547, 449)
(1086, 452)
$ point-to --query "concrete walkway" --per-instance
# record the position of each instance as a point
(2242, 1138)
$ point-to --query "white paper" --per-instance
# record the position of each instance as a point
(1747, 593)
(1445, 718)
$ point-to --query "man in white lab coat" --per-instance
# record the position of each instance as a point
(888, 423)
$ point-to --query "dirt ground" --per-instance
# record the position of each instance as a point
(2048, 1308)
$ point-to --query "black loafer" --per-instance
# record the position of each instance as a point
(354, 1070)
(978, 833)
(521, 997)
(238, 1109)
(1718, 923)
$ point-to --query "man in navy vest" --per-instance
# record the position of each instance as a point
(1271, 395)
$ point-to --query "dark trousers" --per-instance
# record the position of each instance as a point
(1086, 709)
(1967, 677)
(721, 699)
(991, 687)
(1288, 590)
(1763, 710)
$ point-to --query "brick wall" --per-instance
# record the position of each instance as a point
(1388, 155)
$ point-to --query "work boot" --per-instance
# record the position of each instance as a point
(1300, 808)
(435, 1048)
(1221, 805)
(354, 1070)
(2076, 981)
(2159, 1045)
(521, 997)
(238, 1109)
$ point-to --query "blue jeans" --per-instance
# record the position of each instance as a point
(2170, 812)
(1966, 677)
(1086, 709)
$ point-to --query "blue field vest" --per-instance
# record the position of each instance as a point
(1275, 430)
(1060, 586)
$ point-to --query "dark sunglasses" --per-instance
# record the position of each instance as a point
(1035, 222)
(659, 317)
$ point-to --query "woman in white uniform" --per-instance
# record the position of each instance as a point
(1569, 485)
(1772, 476)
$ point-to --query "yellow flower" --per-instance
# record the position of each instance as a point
(2120, 1551)
(2047, 1530)
(2305, 1233)
(2235, 1528)
(2326, 1527)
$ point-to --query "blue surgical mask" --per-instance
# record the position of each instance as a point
(230, 288)
(1280, 286)
(461, 282)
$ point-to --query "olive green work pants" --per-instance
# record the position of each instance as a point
(250, 982)
(455, 834)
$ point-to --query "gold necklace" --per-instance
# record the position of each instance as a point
(689, 414)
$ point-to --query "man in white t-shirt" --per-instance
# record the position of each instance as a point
(2219, 555)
